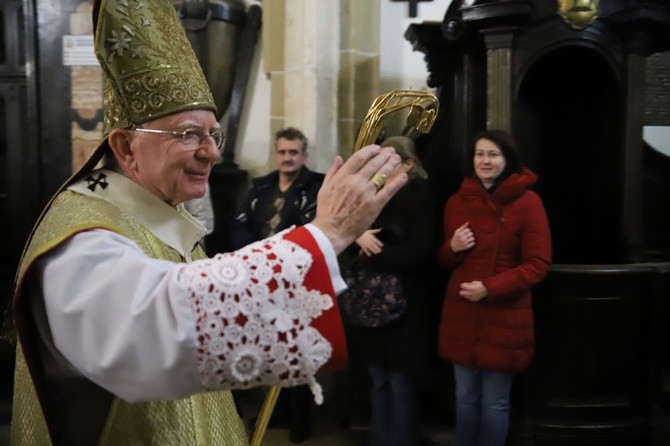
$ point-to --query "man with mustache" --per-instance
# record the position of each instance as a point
(283, 198)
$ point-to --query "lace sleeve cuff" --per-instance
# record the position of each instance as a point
(254, 316)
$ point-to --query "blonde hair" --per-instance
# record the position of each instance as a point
(404, 147)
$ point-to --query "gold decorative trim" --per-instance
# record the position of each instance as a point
(151, 70)
(579, 14)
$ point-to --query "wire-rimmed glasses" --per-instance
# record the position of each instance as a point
(193, 137)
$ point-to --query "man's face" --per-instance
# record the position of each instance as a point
(173, 168)
(290, 156)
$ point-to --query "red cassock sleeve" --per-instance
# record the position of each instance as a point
(329, 324)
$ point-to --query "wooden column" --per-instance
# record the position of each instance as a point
(499, 77)
(633, 163)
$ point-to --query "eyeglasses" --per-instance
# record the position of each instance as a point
(191, 137)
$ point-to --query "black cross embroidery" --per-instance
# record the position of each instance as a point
(94, 182)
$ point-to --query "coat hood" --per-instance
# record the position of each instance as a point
(510, 189)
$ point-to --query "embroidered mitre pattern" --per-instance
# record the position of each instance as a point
(253, 315)
(151, 69)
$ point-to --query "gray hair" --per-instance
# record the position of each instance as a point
(404, 147)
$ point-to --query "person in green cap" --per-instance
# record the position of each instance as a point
(127, 333)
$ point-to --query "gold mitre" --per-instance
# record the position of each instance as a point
(150, 67)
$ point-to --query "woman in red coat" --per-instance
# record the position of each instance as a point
(498, 246)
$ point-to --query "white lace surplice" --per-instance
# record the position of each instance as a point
(253, 317)
(148, 329)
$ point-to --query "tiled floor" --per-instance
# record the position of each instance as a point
(327, 433)
(328, 428)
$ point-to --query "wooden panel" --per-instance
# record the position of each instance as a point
(19, 174)
(18, 153)
(600, 352)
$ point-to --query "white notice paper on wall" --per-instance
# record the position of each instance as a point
(78, 50)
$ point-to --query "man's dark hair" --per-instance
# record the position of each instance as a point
(292, 133)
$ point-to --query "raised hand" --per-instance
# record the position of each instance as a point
(463, 238)
(348, 202)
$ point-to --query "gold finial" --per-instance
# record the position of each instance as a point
(422, 114)
(578, 13)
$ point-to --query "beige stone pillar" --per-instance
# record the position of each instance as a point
(304, 75)
(359, 62)
(322, 58)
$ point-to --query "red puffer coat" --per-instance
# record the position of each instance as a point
(512, 253)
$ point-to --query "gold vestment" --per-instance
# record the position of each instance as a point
(208, 418)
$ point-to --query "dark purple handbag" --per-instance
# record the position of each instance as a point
(373, 298)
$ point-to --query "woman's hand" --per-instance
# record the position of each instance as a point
(369, 243)
(463, 238)
(473, 291)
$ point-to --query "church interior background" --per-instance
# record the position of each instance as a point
(584, 85)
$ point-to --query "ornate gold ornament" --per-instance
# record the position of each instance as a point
(578, 13)
(423, 111)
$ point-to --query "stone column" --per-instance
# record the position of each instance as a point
(302, 60)
(359, 61)
(322, 58)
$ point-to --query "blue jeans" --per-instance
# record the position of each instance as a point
(482, 406)
(394, 409)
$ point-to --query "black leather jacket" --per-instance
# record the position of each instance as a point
(299, 207)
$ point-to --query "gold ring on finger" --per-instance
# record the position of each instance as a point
(378, 179)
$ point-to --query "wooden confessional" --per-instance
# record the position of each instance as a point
(576, 82)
